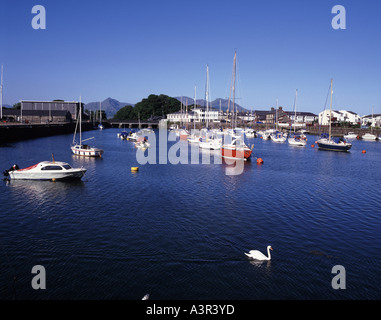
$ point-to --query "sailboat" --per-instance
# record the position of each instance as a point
(370, 136)
(100, 125)
(296, 139)
(208, 139)
(277, 136)
(79, 148)
(326, 142)
(236, 149)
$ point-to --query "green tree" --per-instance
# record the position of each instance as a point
(153, 105)
(124, 113)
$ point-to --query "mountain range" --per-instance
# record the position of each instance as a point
(110, 106)
(214, 104)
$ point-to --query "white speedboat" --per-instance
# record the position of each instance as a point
(278, 137)
(369, 137)
(297, 140)
(46, 170)
(211, 144)
(142, 144)
(350, 136)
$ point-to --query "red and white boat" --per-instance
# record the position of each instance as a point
(237, 149)
(184, 134)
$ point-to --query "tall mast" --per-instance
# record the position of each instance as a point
(194, 107)
(100, 112)
(80, 120)
(330, 112)
(207, 97)
(234, 71)
(1, 94)
(296, 97)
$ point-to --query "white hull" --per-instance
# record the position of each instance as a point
(86, 151)
(211, 145)
(299, 143)
(369, 137)
(48, 171)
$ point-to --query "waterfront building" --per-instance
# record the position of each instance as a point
(339, 116)
(371, 120)
(55, 105)
(198, 114)
(36, 116)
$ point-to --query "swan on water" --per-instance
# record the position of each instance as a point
(257, 255)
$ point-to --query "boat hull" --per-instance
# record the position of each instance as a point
(48, 171)
(325, 144)
(233, 153)
(86, 152)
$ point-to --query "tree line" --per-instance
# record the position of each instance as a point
(154, 106)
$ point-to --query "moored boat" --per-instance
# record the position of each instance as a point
(369, 137)
(237, 149)
(350, 136)
(80, 149)
(46, 170)
(326, 142)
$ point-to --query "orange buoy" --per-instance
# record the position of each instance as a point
(261, 137)
(312, 146)
(364, 151)
(259, 161)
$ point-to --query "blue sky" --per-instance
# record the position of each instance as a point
(130, 49)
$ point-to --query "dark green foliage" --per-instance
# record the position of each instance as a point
(154, 105)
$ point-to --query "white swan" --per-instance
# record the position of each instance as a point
(257, 255)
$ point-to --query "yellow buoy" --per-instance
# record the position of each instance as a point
(134, 169)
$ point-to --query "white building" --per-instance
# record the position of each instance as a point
(374, 120)
(339, 116)
(199, 114)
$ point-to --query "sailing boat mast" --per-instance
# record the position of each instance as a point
(1, 94)
(194, 107)
(207, 97)
(234, 72)
(80, 120)
(296, 98)
(330, 113)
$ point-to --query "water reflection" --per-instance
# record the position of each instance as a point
(42, 191)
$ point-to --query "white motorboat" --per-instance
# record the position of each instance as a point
(278, 137)
(211, 144)
(194, 139)
(369, 137)
(297, 140)
(46, 170)
(350, 136)
(142, 143)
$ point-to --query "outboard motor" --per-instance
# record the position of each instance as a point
(13, 168)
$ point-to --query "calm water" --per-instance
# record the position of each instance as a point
(180, 231)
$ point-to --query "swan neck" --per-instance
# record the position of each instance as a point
(268, 253)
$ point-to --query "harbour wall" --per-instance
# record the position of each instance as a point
(19, 132)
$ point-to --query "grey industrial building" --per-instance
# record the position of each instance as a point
(36, 116)
(58, 105)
